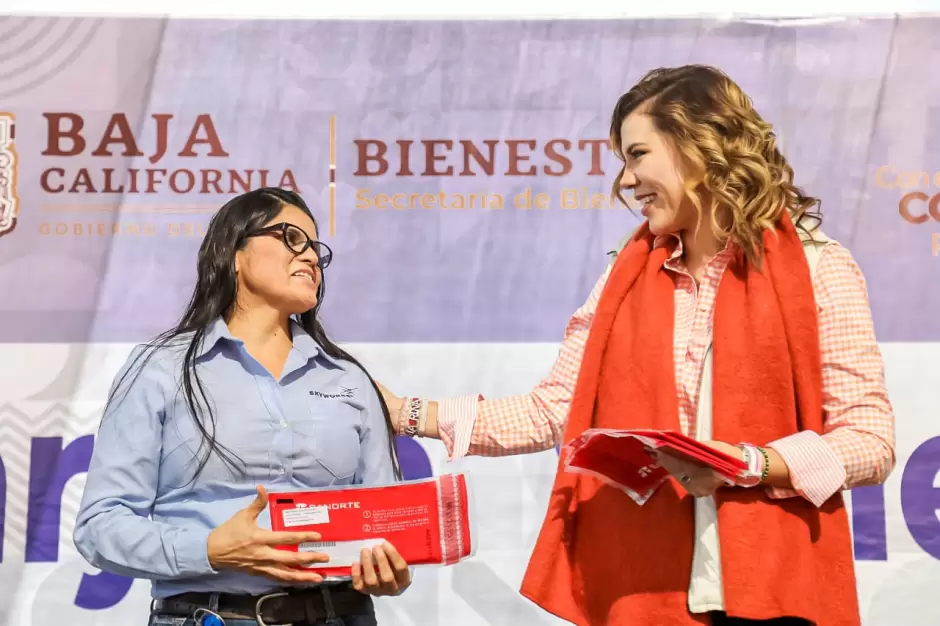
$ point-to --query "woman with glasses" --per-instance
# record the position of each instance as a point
(245, 394)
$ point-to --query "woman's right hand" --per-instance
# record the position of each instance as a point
(240, 544)
(393, 402)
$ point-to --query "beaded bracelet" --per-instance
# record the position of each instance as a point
(766, 469)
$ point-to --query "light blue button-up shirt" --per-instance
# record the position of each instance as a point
(320, 425)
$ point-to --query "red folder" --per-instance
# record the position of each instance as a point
(428, 521)
(620, 458)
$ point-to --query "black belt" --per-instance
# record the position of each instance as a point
(280, 607)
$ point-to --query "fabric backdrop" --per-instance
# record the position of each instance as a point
(459, 171)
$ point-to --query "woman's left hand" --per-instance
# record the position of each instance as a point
(700, 481)
(381, 571)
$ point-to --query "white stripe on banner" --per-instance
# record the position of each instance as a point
(57, 390)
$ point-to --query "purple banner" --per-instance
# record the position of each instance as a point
(470, 164)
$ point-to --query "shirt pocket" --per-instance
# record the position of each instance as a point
(248, 454)
(330, 433)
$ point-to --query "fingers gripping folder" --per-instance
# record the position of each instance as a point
(428, 522)
(620, 459)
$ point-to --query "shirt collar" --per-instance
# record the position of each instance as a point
(216, 331)
(674, 261)
(303, 342)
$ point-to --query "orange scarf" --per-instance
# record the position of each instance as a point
(600, 558)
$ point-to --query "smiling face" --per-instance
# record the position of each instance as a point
(653, 171)
(271, 274)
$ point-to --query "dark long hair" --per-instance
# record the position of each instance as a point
(214, 297)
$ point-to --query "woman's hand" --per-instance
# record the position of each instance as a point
(240, 544)
(381, 571)
(727, 448)
(393, 402)
(699, 480)
(395, 405)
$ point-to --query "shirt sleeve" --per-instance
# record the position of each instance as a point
(113, 530)
(857, 445)
(525, 423)
(375, 458)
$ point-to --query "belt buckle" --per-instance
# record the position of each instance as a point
(260, 603)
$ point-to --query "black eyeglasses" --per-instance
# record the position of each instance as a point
(296, 240)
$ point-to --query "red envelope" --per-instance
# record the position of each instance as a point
(620, 458)
(697, 452)
(428, 521)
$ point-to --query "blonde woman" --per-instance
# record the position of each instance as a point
(729, 316)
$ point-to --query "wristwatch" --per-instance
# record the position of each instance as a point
(753, 475)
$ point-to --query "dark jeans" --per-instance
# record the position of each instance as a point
(720, 619)
(173, 620)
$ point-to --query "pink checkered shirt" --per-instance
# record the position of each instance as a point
(856, 447)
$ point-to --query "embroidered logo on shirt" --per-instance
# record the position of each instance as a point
(344, 392)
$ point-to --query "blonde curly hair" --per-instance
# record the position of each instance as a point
(729, 151)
